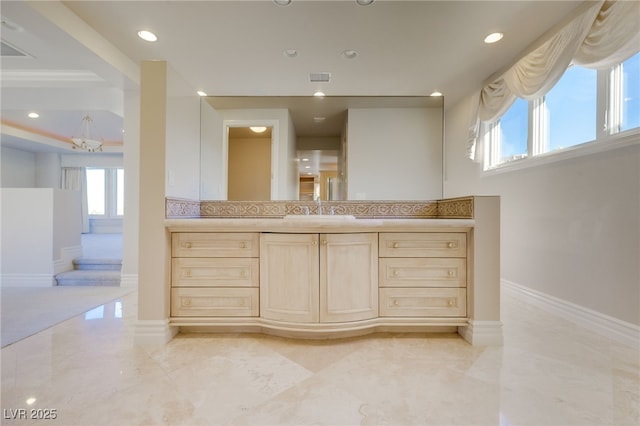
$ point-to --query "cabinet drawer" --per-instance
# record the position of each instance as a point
(425, 244)
(422, 272)
(215, 244)
(423, 302)
(214, 302)
(215, 272)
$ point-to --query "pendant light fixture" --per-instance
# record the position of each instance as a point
(85, 141)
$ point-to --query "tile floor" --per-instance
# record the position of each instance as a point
(549, 372)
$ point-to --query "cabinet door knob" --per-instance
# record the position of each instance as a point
(396, 245)
(324, 242)
(187, 245)
(186, 302)
(243, 245)
(314, 243)
(395, 272)
(451, 272)
(451, 302)
(450, 245)
(395, 302)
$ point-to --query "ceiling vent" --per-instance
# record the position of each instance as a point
(319, 77)
(6, 50)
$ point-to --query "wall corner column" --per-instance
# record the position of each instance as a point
(485, 327)
(153, 289)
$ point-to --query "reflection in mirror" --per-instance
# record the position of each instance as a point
(249, 159)
(367, 148)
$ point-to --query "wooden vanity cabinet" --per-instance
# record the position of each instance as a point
(423, 274)
(214, 274)
(326, 278)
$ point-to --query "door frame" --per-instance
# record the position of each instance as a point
(275, 138)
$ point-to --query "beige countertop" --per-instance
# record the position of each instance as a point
(317, 224)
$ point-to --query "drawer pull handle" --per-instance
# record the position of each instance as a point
(396, 272)
(187, 245)
(187, 273)
(451, 302)
(395, 302)
(241, 302)
(451, 273)
(396, 245)
(450, 245)
(243, 273)
(243, 245)
(186, 302)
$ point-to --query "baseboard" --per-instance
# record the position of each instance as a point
(129, 280)
(28, 280)
(65, 263)
(482, 333)
(604, 325)
(154, 332)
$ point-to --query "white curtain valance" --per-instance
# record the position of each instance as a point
(603, 35)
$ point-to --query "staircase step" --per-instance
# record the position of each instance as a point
(89, 278)
(104, 264)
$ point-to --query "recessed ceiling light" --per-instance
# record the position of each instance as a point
(364, 2)
(349, 54)
(493, 37)
(258, 129)
(201, 93)
(290, 53)
(33, 115)
(307, 167)
(6, 24)
(282, 2)
(319, 119)
(436, 93)
(305, 159)
(319, 94)
(31, 401)
(147, 35)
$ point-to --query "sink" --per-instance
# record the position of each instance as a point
(332, 217)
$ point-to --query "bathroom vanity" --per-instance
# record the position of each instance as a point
(404, 267)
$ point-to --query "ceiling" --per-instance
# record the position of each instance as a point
(81, 56)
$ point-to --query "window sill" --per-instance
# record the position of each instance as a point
(621, 140)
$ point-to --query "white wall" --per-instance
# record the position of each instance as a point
(570, 229)
(47, 170)
(17, 168)
(27, 230)
(211, 154)
(394, 154)
(183, 138)
(131, 162)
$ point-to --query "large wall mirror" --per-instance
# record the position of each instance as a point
(331, 148)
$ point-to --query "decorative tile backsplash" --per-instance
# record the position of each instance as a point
(454, 208)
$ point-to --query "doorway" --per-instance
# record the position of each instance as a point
(249, 163)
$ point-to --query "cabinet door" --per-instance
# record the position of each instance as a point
(348, 277)
(289, 277)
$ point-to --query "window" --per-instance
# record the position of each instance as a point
(570, 114)
(105, 191)
(630, 70)
(571, 109)
(513, 131)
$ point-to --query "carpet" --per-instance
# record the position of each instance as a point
(29, 310)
